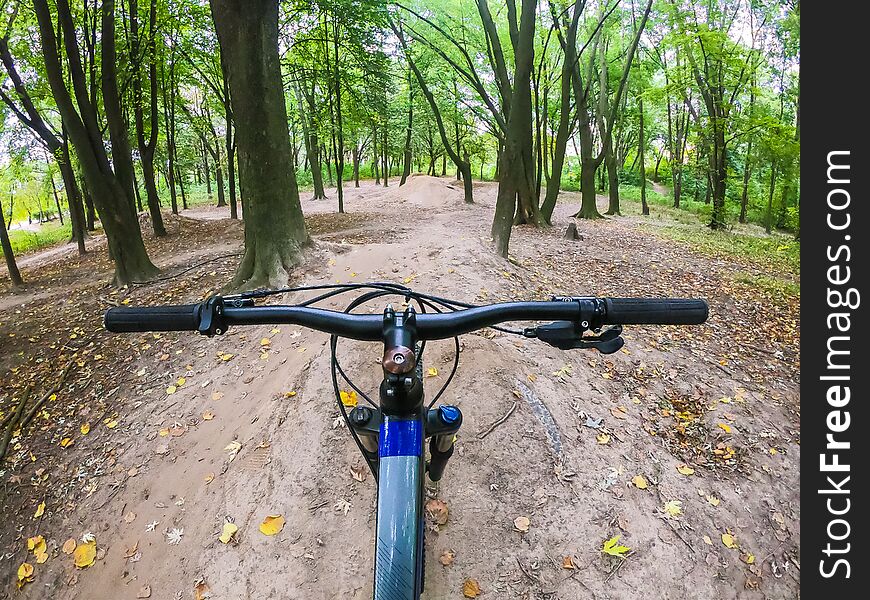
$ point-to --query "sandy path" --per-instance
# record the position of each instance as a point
(543, 462)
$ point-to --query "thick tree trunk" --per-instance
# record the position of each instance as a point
(718, 180)
(122, 157)
(274, 227)
(117, 215)
(516, 199)
(73, 197)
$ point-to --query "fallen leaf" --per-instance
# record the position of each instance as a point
(69, 546)
(171, 389)
(174, 535)
(36, 544)
(673, 508)
(85, 428)
(163, 432)
(233, 448)
(713, 500)
(131, 552)
(618, 412)
(522, 524)
(41, 557)
(437, 511)
(686, 470)
(265, 342)
(568, 562)
(707, 540)
(39, 510)
(613, 548)
(272, 525)
(111, 423)
(209, 477)
(470, 588)
(229, 531)
(729, 541)
(725, 428)
(201, 591)
(447, 557)
(25, 574)
(207, 415)
(66, 442)
(431, 372)
(349, 399)
(640, 482)
(748, 558)
(144, 592)
(129, 517)
(85, 555)
(217, 396)
(602, 438)
(358, 472)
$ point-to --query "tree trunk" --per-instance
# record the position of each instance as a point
(768, 219)
(515, 200)
(747, 173)
(406, 168)
(14, 273)
(612, 182)
(122, 157)
(274, 227)
(718, 179)
(642, 158)
(118, 217)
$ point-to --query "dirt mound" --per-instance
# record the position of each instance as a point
(427, 192)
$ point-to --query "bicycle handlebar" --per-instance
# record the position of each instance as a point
(591, 313)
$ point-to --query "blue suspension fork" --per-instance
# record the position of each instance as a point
(398, 567)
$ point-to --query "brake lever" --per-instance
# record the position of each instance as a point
(567, 336)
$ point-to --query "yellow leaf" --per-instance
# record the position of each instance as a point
(207, 415)
(66, 442)
(229, 531)
(673, 508)
(613, 548)
(163, 432)
(640, 482)
(25, 571)
(713, 500)
(602, 438)
(111, 423)
(181, 381)
(265, 342)
(522, 524)
(36, 544)
(348, 398)
(217, 396)
(685, 470)
(431, 372)
(171, 389)
(39, 510)
(41, 557)
(748, 558)
(85, 555)
(225, 357)
(470, 588)
(773, 451)
(725, 428)
(272, 524)
(85, 429)
(729, 541)
(208, 478)
(289, 394)
(69, 546)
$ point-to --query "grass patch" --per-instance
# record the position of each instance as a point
(778, 253)
(776, 288)
(49, 234)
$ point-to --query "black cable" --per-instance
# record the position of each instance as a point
(197, 265)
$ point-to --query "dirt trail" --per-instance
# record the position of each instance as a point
(550, 461)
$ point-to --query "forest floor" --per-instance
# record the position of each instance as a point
(685, 444)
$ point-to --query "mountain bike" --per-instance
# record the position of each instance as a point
(391, 434)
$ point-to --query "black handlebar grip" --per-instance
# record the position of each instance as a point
(655, 311)
(123, 319)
